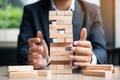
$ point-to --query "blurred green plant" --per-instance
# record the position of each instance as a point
(1, 1)
(10, 17)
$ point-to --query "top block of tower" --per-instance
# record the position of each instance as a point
(60, 13)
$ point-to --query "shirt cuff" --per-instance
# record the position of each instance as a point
(94, 60)
(48, 60)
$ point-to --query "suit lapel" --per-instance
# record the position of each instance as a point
(78, 18)
(45, 20)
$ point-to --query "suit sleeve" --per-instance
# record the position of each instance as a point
(26, 31)
(97, 36)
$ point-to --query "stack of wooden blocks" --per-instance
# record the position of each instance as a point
(26, 72)
(61, 34)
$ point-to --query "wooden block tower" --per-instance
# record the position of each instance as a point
(61, 34)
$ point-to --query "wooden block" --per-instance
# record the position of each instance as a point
(60, 13)
(61, 44)
(67, 22)
(52, 13)
(44, 72)
(98, 73)
(21, 74)
(99, 67)
(62, 71)
(60, 58)
(20, 68)
(61, 40)
(57, 49)
(115, 70)
(58, 22)
(60, 62)
(68, 13)
(52, 67)
(61, 53)
(51, 18)
(68, 67)
(60, 49)
(66, 27)
(53, 31)
(69, 30)
(52, 35)
(69, 40)
(60, 67)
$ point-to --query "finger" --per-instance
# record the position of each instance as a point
(86, 44)
(34, 57)
(39, 34)
(32, 41)
(80, 58)
(35, 49)
(83, 34)
(82, 51)
(40, 63)
(81, 64)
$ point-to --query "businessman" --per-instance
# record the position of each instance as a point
(89, 40)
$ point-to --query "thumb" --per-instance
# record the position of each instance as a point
(83, 34)
(39, 34)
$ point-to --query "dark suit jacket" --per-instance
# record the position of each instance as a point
(35, 18)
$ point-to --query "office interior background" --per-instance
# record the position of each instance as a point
(10, 18)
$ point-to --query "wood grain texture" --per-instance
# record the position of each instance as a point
(61, 44)
(98, 73)
(99, 67)
(57, 35)
(21, 74)
(62, 71)
(61, 53)
(60, 58)
(60, 26)
(44, 72)
(20, 68)
(60, 18)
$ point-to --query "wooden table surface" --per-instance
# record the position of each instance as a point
(74, 76)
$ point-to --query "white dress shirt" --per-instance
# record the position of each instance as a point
(72, 8)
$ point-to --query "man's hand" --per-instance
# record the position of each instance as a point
(38, 51)
(83, 50)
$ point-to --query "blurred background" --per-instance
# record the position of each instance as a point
(10, 18)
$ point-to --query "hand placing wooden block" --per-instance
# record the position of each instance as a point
(21, 74)
(20, 68)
